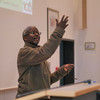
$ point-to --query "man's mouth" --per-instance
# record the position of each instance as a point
(36, 39)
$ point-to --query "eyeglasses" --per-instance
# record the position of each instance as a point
(27, 33)
(39, 33)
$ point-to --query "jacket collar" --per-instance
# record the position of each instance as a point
(31, 45)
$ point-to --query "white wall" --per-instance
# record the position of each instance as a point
(12, 24)
(86, 62)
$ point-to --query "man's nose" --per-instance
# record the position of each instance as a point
(36, 33)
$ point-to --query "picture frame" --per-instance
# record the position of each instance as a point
(52, 14)
(90, 45)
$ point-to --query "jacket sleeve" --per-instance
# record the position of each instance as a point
(60, 73)
(33, 56)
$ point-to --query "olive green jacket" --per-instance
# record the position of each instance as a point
(33, 68)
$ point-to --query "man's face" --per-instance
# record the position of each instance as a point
(33, 37)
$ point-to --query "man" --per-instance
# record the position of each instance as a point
(33, 68)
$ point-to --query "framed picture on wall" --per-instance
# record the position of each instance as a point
(51, 22)
(89, 45)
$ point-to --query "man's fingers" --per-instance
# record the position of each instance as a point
(63, 18)
(66, 25)
(66, 19)
(68, 67)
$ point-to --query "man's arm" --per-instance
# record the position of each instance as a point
(61, 72)
(37, 55)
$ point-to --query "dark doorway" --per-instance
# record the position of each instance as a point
(67, 57)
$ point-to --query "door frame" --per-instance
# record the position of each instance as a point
(61, 56)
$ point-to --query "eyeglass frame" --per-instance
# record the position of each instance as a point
(27, 33)
(39, 33)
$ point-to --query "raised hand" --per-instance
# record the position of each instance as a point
(63, 22)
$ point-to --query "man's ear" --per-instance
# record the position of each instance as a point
(25, 38)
